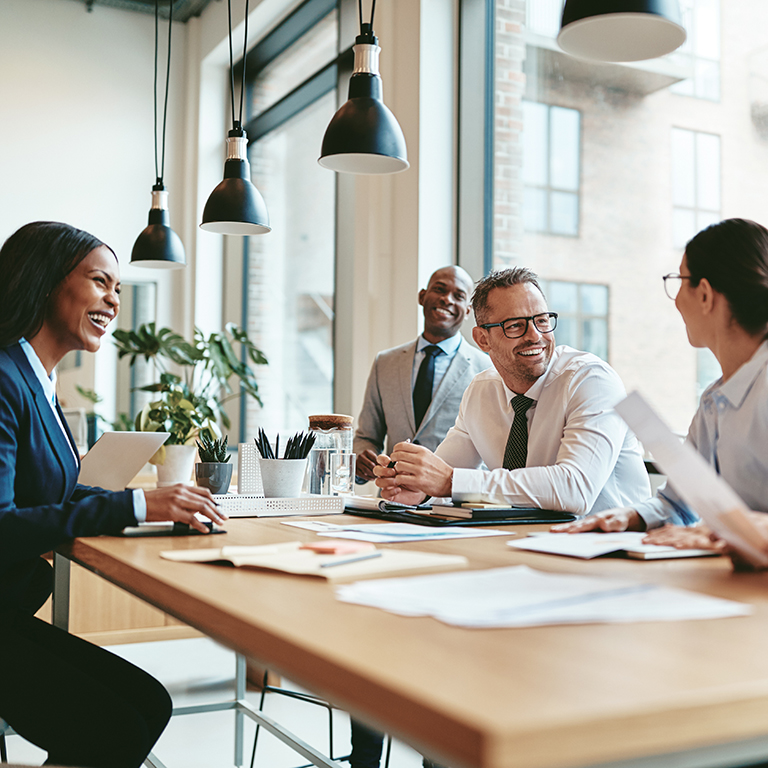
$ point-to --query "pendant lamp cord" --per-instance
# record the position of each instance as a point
(159, 173)
(237, 123)
(360, 12)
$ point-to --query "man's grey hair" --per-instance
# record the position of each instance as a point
(500, 278)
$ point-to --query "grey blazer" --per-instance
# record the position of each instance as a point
(388, 405)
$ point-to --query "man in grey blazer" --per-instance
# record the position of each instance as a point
(388, 407)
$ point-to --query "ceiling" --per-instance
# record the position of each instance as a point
(183, 10)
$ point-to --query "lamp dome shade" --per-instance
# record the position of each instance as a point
(158, 246)
(621, 30)
(236, 207)
(364, 136)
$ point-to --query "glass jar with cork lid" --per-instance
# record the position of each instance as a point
(333, 438)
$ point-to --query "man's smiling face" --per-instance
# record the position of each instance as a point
(446, 303)
(520, 362)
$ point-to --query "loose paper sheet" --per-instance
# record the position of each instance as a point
(392, 533)
(697, 483)
(522, 597)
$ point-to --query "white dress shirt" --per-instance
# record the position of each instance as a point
(48, 383)
(730, 430)
(582, 458)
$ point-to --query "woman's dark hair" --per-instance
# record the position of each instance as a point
(733, 256)
(34, 260)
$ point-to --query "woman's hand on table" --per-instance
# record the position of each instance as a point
(609, 520)
(680, 537)
(179, 503)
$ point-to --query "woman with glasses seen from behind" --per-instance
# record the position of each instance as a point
(722, 295)
(83, 705)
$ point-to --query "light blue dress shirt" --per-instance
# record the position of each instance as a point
(730, 430)
(48, 383)
(448, 350)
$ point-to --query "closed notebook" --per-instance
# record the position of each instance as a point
(590, 545)
(289, 558)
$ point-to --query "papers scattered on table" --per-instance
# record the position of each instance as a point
(589, 545)
(522, 597)
(289, 558)
(391, 533)
(702, 489)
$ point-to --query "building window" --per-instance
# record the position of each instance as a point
(700, 54)
(695, 183)
(551, 139)
(582, 310)
(288, 275)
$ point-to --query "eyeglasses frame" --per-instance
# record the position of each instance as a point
(553, 315)
(674, 276)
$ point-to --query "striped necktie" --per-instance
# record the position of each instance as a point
(516, 452)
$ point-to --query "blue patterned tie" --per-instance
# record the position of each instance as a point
(516, 452)
(425, 378)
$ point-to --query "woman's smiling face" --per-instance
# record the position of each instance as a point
(83, 305)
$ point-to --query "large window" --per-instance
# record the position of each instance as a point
(582, 311)
(644, 170)
(700, 54)
(695, 183)
(550, 169)
(288, 275)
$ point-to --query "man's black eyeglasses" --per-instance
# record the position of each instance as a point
(515, 327)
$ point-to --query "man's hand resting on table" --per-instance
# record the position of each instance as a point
(178, 503)
(417, 473)
(610, 520)
(366, 461)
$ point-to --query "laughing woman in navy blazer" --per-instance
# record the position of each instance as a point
(59, 290)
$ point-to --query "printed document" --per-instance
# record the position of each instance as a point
(523, 597)
(697, 483)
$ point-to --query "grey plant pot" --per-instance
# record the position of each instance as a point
(214, 476)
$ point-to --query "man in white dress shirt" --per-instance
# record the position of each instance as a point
(541, 421)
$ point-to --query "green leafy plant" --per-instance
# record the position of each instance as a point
(212, 451)
(191, 404)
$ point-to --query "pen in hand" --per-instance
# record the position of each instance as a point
(391, 464)
(355, 559)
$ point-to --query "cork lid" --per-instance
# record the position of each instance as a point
(331, 421)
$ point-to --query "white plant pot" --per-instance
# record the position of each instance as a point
(178, 467)
(282, 478)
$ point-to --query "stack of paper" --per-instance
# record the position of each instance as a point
(522, 597)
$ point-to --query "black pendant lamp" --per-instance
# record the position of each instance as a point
(158, 245)
(364, 136)
(236, 207)
(621, 30)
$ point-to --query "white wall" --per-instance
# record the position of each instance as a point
(76, 132)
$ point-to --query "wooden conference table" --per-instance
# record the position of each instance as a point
(544, 697)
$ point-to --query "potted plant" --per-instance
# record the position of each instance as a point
(213, 471)
(190, 404)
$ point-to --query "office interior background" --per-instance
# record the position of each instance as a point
(594, 175)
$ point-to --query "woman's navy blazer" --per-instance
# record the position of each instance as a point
(41, 504)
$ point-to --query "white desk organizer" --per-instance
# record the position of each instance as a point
(250, 505)
(248, 472)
